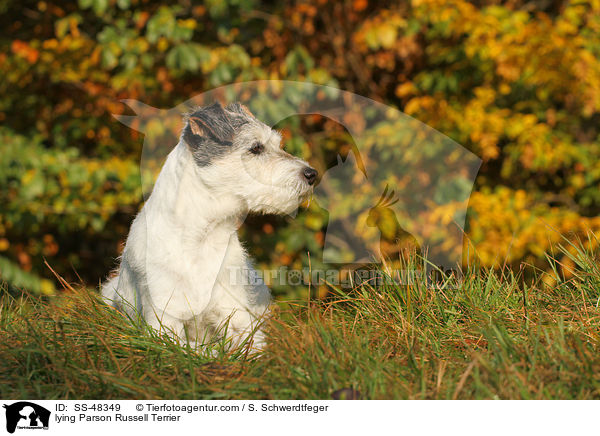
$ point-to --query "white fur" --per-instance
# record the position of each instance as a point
(182, 254)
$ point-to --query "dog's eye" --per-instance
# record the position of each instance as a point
(257, 148)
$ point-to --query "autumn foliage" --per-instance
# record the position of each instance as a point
(517, 83)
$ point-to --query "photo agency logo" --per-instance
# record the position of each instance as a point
(25, 415)
(393, 189)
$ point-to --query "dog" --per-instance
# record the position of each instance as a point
(180, 268)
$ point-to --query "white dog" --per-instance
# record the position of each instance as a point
(180, 269)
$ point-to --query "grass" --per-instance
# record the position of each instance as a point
(489, 336)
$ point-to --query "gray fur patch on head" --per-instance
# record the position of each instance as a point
(209, 130)
(240, 109)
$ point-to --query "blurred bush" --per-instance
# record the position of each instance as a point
(518, 83)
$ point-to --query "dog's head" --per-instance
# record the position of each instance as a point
(238, 155)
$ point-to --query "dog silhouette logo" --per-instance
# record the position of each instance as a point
(431, 175)
(26, 415)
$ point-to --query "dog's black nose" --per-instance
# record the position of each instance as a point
(310, 174)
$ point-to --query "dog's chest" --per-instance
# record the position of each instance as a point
(219, 252)
(214, 260)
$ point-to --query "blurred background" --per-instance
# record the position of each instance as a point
(517, 83)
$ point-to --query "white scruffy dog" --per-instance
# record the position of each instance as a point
(183, 266)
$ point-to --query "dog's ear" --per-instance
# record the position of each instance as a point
(212, 122)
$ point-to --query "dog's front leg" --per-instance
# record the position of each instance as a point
(165, 323)
(239, 312)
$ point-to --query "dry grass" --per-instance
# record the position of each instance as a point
(487, 336)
